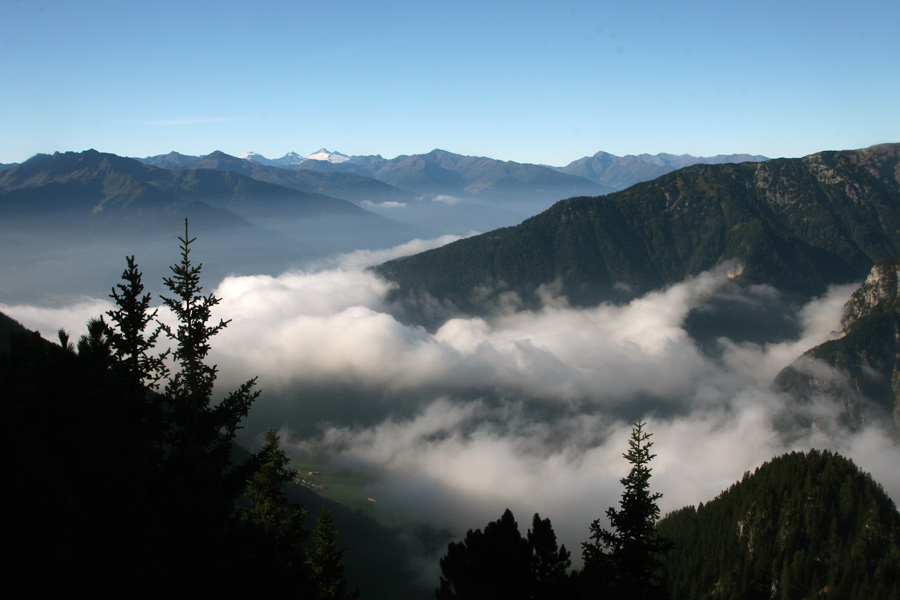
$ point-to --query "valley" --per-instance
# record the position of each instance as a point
(448, 374)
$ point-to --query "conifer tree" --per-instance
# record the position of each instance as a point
(198, 425)
(95, 347)
(148, 504)
(270, 507)
(64, 341)
(499, 564)
(549, 562)
(126, 329)
(326, 561)
(198, 432)
(625, 561)
(272, 534)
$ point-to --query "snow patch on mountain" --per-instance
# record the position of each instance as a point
(326, 155)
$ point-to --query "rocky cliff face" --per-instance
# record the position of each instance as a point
(879, 294)
(858, 373)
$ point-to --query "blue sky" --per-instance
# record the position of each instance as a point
(540, 82)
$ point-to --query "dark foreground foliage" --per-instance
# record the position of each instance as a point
(801, 527)
(121, 474)
(623, 563)
(499, 564)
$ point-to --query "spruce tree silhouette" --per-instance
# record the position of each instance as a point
(625, 562)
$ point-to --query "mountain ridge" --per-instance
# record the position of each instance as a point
(345, 186)
(798, 224)
(115, 182)
(620, 172)
(290, 158)
(62, 212)
(440, 173)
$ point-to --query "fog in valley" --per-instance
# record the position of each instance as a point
(526, 410)
(52, 258)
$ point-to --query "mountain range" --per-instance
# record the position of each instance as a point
(115, 190)
(620, 172)
(609, 170)
(797, 224)
(444, 173)
(58, 211)
(438, 192)
(345, 186)
(291, 158)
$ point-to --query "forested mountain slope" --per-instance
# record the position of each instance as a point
(798, 224)
(801, 526)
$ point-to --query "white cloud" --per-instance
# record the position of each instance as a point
(389, 204)
(820, 320)
(48, 320)
(530, 410)
(359, 259)
(334, 325)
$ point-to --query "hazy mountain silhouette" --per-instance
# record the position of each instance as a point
(620, 172)
(62, 212)
(346, 186)
(444, 173)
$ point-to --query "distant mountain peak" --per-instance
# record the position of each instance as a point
(620, 172)
(172, 160)
(291, 158)
(326, 155)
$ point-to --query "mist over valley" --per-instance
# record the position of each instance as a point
(461, 374)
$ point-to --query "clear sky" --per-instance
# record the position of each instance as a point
(533, 82)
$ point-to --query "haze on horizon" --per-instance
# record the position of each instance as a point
(542, 84)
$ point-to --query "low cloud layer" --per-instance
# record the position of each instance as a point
(390, 204)
(529, 410)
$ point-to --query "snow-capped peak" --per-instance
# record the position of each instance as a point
(326, 155)
(252, 156)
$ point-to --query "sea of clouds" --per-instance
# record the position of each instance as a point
(524, 410)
